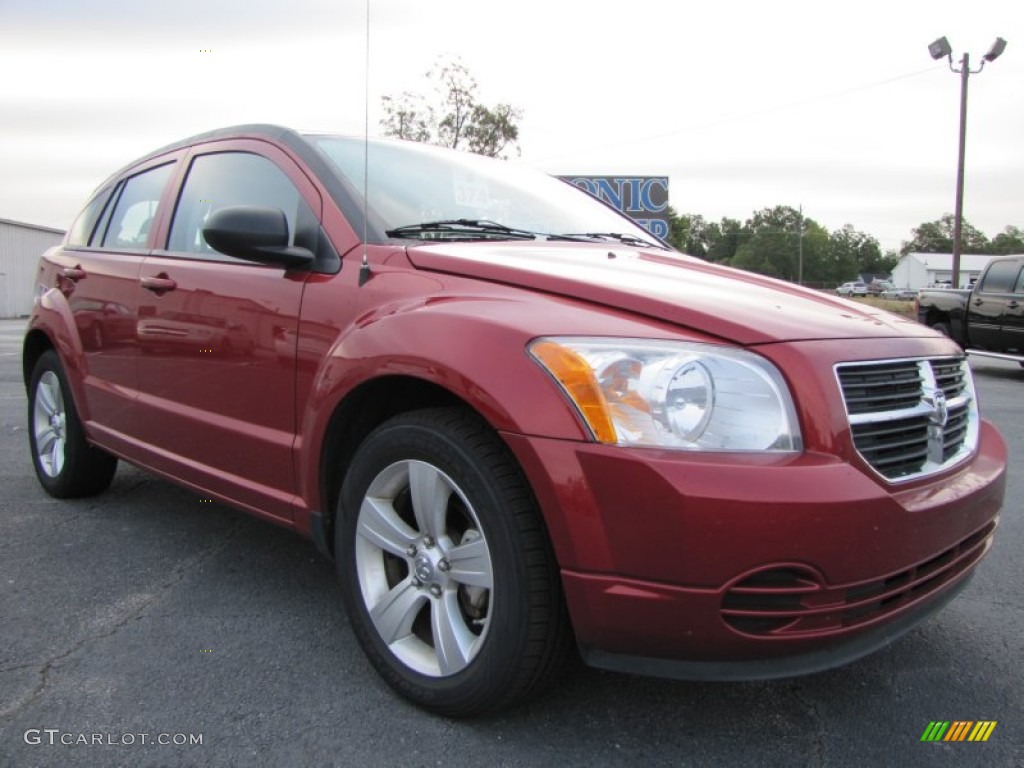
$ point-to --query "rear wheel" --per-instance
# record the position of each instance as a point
(446, 570)
(66, 465)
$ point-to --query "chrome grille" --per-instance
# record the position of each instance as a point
(881, 387)
(910, 418)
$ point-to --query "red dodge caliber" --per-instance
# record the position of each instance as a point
(517, 422)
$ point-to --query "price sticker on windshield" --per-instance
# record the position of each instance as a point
(471, 191)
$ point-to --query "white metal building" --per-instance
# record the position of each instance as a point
(919, 270)
(21, 245)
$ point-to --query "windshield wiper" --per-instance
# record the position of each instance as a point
(460, 228)
(620, 236)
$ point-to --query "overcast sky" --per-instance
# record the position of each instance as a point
(835, 106)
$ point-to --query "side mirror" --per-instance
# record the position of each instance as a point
(255, 234)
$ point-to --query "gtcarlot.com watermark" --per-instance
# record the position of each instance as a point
(55, 736)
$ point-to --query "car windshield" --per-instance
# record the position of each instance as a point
(429, 193)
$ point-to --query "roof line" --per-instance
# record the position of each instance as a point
(25, 224)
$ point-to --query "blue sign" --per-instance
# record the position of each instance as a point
(641, 198)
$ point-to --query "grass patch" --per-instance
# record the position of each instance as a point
(896, 306)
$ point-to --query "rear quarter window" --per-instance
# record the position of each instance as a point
(136, 209)
(81, 231)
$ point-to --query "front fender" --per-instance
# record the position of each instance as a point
(474, 349)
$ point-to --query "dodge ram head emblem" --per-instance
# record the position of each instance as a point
(940, 412)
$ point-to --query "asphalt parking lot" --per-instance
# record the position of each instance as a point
(147, 615)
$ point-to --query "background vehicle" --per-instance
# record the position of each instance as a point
(877, 287)
(856, 288)
(986, 320)
(898, 293)
(514, 420)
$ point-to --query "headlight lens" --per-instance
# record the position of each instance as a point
(687, 396)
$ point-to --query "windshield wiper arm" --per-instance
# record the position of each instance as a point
(461, 227)
(620, 236)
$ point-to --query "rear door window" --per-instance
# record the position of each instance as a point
(1001, 277)
(1019, 287)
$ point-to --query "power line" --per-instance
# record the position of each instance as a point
(748, 115)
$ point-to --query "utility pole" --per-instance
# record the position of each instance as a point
(800, 249)
(941, 49)
(958, 215)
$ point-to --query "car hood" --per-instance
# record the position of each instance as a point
(738, 306)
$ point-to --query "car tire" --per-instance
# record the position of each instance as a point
(446, 569)
(942, 328)
(66, 465)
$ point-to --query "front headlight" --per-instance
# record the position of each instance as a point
(688, 396)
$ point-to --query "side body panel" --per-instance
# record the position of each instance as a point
(217, 373)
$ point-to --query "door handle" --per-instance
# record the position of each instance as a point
(978, 302)
(159, 284)
(74, 274)
(1012, 304)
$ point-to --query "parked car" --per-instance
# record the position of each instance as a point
(903, 294)
(987, 318)
(517, 423)
(878, 287)
(852, 289)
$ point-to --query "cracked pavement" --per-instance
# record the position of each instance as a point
(146, 611)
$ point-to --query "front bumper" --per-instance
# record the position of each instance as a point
(757, 566)
(834, 654)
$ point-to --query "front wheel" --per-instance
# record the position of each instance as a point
(66, 465)
(446, 570)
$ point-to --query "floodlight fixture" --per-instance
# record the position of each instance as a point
(941, 48)
(996, 50)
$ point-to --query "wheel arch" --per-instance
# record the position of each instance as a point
(355, 416)
(35, 345)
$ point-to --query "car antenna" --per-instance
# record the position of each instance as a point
(364, 267)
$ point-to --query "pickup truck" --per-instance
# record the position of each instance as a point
(987, 320)
(518, 423)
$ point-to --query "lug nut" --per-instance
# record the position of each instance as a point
(417, 583)
(444, 565)
(411, 550)
(435, 590)
(428, 541)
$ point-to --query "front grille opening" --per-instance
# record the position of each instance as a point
(881, 387)
(972, 541)
(771, 602)
(949, 376)
(768, 602)
(924, 437)
(865, 591)
(936, 563)
(894, 448)
(756, 625)
(779, 577)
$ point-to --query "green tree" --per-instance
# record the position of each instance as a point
(715, 241)
(851, 253)
(887, 262)
(773, 245)
(725, 238)
(1010, 240)
(937, 237)
(453, 117)
(688, 232)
